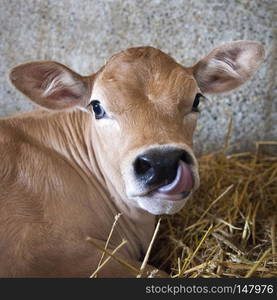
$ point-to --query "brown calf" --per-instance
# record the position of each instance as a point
(118, 141)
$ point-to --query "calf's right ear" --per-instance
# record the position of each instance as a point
(50, 84)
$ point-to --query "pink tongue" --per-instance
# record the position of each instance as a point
(183, 181)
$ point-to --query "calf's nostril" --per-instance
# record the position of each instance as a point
(185, 157)
(142, 165)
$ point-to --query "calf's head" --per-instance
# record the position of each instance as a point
(144, 109)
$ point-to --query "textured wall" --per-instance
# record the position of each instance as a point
(83, 33)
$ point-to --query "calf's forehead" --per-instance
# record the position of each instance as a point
(144, 74)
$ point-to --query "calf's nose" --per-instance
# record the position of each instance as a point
(158, 167)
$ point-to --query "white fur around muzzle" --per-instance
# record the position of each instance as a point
(158, 206)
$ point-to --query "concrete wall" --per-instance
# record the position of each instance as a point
(84, 33)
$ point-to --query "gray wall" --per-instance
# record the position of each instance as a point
(84, 33)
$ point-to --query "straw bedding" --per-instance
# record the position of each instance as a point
(228, 228)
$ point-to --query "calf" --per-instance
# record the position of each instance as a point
(118, 141)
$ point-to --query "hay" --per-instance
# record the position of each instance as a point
(228, 228)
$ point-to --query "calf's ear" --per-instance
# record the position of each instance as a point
(228, 66)
(50, 84)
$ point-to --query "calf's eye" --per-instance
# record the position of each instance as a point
(99, 111)
(196, 102)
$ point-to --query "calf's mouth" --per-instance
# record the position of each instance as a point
(179, 188)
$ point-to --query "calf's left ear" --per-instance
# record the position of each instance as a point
(50, 84)
(228, 66)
